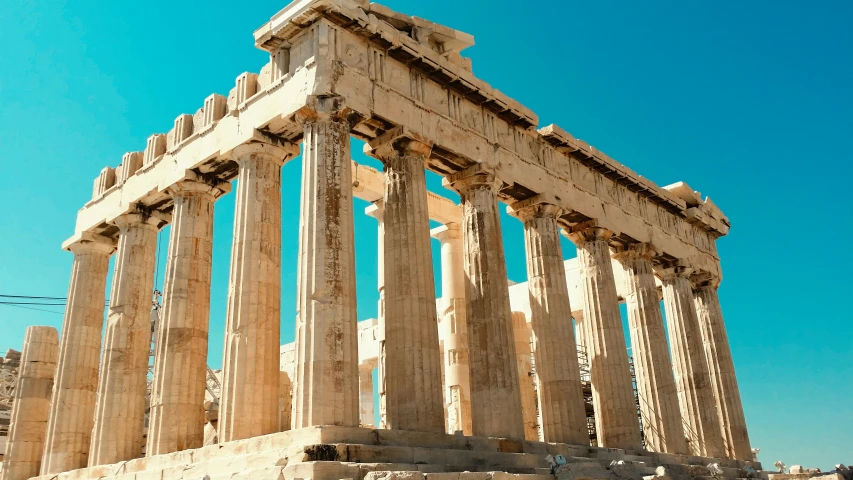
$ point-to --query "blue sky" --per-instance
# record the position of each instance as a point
(749, 102)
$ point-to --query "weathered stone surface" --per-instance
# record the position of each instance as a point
(72, 404)
(653, 369)
(722, 371)
(413, 399)
(326, 380)
(524, 364)
(616, 420)
(561, 403)
(366, 411)
(692, 379)
(121, 401)
(377, 211)
(453, 329)
(180, 361)
(495, 400)
(250, 367)
(31, 404)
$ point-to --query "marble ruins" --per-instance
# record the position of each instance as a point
(482, 383)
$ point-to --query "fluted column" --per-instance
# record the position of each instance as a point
(120, 412)
(412, 356)
(526, 386)
(652, 366)
(72, 404)
(249, 405)
(616, 422)
(31, 404)
(365, 394)
(326, 383)
(377, 211)
(453, 329)
(495, 399)
(560, 392)
(692, 379)
(176, 419)
(722, 370)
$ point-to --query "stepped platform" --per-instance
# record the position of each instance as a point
(333, 453)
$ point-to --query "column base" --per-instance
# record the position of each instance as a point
(334, 453)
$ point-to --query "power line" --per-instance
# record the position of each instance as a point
(33, 298)
(32, 303)
(36, 309)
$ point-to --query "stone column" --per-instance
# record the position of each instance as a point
(326, 383)
(560, 392)
(652, 366)
(176, 419)
(249, 405)
(453, 329)
(72, 404)
(692, 380)
(285, 406)
(377, 211)
(31, 404)
(120, 412)
(412, 356)
(616, 422)
(722, 370)
(526, 387)
(495, 399)
(365, 395)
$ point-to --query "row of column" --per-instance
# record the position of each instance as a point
(101, 421)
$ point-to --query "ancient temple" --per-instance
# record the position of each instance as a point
(459, 399)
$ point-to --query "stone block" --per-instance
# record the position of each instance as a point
(154, 148)
(443, 476)
(268, 473)
(214, 109)
(130, 163)
(321, 471)
(247, 87)
(105, 180)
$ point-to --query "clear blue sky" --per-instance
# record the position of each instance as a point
(749, 102)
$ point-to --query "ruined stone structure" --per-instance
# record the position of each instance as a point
(453, 372)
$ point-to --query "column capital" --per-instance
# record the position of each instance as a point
(475, 177)
(673, 271)
(376, 210)
(635, 251)
(447, 232)
(141, 216)
(323, 107)
(90, 242)
(266, 146)
(539, 206)
(399, 142)
(196, 183)
(701, 279)
(588, 231)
